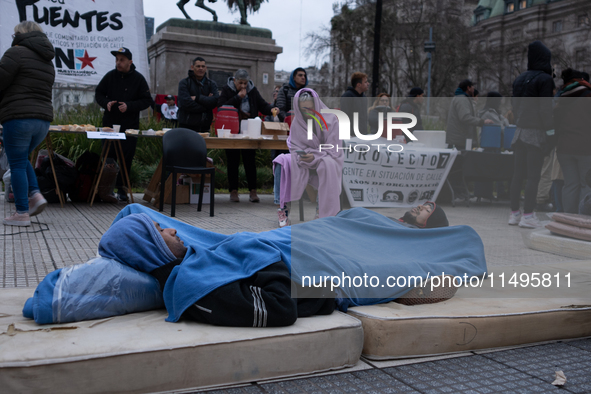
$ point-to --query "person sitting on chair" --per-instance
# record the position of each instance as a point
(306, 163)
(273, 277)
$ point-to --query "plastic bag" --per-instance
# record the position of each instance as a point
(97, 289)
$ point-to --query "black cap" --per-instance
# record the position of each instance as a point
(438, 218)
(122, 51)
(169, 97)
(414, 92)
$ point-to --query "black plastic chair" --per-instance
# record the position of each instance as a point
(184, 151)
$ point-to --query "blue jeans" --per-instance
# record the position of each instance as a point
(21, 137)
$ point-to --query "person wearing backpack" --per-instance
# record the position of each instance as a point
(297, 80)
(26, 79)
(532, 105)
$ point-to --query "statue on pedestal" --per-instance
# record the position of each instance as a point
(242, 5)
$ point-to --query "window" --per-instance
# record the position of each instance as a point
(67, 98)
(510, 8)
(522, 4)
(583, 20)
(478, 18)
(557, 27)
(76, 98)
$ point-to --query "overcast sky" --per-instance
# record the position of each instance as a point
(282, 17)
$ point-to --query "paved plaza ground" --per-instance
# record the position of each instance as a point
(64, 236)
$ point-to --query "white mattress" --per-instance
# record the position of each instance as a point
(483, 317)
(142, 353)
(543, 240)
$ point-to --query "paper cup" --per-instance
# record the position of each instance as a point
(116, 127)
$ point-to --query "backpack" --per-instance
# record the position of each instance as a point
(64, 172)
(86, 165)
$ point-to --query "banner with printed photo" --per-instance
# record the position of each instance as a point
(83, 33)
(376, 175)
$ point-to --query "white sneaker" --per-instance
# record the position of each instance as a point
(514, 218)
(283, 219)
(18, 219)
(529, 221)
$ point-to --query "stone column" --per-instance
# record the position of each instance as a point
(225, 48)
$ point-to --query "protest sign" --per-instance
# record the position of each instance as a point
(83, 33)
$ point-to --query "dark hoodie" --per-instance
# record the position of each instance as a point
(26, 78)
(287, 93)
(130, 88)
(250, 106)
(537, 82)
(351, 102)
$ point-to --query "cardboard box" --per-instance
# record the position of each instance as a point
(194, 191)
(274, 128)
(182, 195)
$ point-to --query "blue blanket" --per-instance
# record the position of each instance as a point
(356, 242)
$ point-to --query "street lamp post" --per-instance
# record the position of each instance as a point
(429, 48)
(376, 49)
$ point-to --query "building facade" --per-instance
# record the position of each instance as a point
(502, 29)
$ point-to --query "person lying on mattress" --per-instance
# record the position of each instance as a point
(427, 215)
(272, 278)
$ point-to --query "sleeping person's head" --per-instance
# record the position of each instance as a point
(428, 215)
(138, 242)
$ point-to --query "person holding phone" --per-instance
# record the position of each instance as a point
(307, 163)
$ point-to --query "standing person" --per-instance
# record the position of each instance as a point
(198, 96)
(413, 104)
(123, 93)
(241, 93)
(297, 80)
(572, 117)
(26, 80)
(354, 100)
(461, 118)
(534, 118)
(170, 111)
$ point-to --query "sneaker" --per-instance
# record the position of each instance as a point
(253, 196)
(121, 195)
(234, 196)
(529, 221)
(283, 219)
(514, 218)
(18, 219)
(445, 290)
(36, 204)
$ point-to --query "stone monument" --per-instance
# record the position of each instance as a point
(225, 48)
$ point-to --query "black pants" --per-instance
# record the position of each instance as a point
(248, 160)
(128, 146)
(528, 165)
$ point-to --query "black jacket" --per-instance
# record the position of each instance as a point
(197, 113)
(533, 90)
(229, 96)
(263, 300)
(26, 78)
(572, 119)
(351, 102)
(130, 88)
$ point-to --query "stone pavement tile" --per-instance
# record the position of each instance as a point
(542, 362)
(475, 374)
(367, 381)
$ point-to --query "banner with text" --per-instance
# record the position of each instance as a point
(83, 33)
(375, 175)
